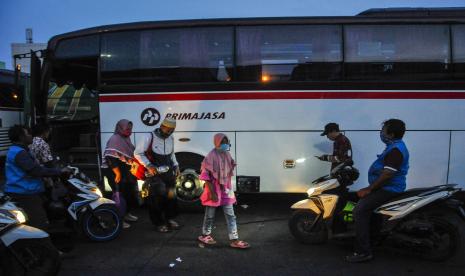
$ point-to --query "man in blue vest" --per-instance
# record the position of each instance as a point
(387, 179)
(23, 177)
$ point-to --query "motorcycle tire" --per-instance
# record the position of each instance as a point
(31, 257)
(299, 225)
(448, 237)
(101, 224)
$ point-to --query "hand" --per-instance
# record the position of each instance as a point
(66, 172)
(324, 157)
(152, 170)
(177, 172)
(117, 178)
(364, 192)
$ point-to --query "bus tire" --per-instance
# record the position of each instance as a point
(188, 186)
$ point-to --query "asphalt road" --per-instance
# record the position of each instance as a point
(141, 250)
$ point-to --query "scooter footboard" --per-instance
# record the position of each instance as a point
(22, 232)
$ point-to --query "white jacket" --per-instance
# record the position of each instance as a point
(159, 146)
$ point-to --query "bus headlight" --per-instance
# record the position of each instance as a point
(19, 215)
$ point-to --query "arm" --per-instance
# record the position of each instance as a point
(141, 147)
(26, 163)
(113, 164)
(392, 163)
(342, 151)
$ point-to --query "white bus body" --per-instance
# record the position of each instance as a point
(268, 127)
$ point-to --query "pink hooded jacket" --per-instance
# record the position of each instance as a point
(218, 168)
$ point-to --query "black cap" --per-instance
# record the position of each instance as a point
(330, 128)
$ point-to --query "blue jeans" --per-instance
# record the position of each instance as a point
(209, 220)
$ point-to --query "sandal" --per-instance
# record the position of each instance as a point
(239, 244)
(163, 229)
(206, 239)
(173, 225)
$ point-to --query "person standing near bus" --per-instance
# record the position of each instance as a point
(342, 151)
(162, 201)
(217, 170)
(342, 148)
(118, 155)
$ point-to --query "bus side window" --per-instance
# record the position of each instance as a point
(397, 52)
(458, 50)
(289, 53)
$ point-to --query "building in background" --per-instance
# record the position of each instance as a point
(25, 48)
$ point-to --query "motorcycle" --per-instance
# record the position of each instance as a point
(79, 202)
(428, 221)
(24, 249)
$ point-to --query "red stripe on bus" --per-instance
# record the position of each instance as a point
(281, 96)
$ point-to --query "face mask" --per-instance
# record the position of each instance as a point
(225, 147)
(127, 133)
(165, 135)
(384, 138)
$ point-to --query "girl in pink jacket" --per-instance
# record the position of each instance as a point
(217, 170)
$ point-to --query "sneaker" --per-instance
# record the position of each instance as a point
(359, 257)
(126, 225)
(130, 217)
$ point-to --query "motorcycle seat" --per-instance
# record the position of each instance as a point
(420, 192)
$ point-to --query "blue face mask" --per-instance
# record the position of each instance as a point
(384, 138)
(225, 147)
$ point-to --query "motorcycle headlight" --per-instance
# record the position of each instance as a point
(97, 191)
(311, 191)
(19, 215)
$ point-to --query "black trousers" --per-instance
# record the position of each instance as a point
(33, 205)
(339, 224)
(161, 201)
(127, 186)
(362, 214)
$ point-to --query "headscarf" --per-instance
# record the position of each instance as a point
(219, 163)
(119, 145)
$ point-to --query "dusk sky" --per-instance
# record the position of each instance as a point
(50, 17)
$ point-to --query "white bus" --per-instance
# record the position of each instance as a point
(271, 84)
(11, 107)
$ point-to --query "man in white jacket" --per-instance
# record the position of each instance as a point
(162, 197)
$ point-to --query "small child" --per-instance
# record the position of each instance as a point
(217, 170)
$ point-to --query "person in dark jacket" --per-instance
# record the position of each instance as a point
(24, 177)
(118, 156)
(342, 148)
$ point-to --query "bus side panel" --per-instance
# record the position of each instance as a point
(263, 153)
(457, 159)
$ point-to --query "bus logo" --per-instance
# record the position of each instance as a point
(150, 116)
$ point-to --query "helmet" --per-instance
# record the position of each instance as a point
(348, 175)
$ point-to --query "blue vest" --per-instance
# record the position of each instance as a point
(397, 183)
(17, 180)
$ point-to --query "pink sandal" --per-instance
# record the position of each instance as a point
(207, 239)
(239, 244)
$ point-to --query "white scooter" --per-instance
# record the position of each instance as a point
(429, 221)
(79, 201)
(24, 250)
